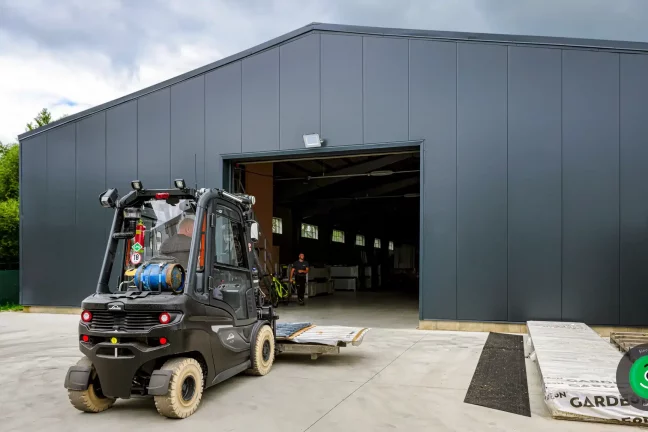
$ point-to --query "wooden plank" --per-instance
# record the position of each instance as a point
(625, 341)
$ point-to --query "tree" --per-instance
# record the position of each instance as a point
(9, 231)
(44, 117)
(9, 171)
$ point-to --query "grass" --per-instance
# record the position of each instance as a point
(10, 307)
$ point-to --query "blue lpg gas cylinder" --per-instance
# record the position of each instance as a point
(160, 277)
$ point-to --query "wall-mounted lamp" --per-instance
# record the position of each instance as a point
(313, 140)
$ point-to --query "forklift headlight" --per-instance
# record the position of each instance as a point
(108, 199)
(136, 185)
(180, 183)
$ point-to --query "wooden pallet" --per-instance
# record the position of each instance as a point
(625, 341)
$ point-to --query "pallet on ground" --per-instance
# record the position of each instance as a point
(625, 341)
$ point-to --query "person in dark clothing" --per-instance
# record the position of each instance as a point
(298, 276)
(178, 245)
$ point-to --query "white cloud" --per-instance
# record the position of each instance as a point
(92, 52)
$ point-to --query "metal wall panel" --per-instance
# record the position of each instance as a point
(341, 89)
(481, 182)
(121, 158)
(385, 89)
(154, 139)
(33, 220)
(590, 187)
(121, 148)
(223, 118)
(433, 104)
(188, 131)
(634, 181)
(91, 231)
(534, 184)
(261, 102)
(299, 91)
(61, 216)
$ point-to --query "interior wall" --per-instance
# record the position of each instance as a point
(258, 182)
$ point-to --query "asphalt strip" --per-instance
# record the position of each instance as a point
(500, 380)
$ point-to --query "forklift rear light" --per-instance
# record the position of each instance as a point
(163, 341)
(85, 338)
(162, 195)
(86, 316)
(165, 318)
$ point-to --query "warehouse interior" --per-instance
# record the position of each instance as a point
(356, 219)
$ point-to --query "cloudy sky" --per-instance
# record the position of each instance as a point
(70, 55)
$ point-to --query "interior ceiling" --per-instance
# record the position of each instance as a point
(341, 185)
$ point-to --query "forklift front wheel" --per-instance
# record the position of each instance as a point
(185, 388)
(263, 352)
(90, 400)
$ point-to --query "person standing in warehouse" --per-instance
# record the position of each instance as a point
(298, 275)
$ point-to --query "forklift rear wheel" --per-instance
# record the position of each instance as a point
(263, 352)
(185, 388)
(90, 400)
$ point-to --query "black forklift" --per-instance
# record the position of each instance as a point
(177, 307)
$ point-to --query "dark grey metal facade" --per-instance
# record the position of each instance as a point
(534, 157)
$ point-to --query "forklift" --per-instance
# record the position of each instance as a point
(177, 306)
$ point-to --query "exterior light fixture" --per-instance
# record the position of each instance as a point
(313, 140)
(136, 185)
(180, 183)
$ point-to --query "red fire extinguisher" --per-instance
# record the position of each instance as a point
(137, 250)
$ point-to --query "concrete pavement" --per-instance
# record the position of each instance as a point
(396, 380)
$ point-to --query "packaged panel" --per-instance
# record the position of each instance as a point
(634, 178)
(590, 187)
(385, 89)
(223, 118)
(33, 219)
(61, 218)
(121, 148)
(91, 229)
(261, 102)
(433, 105)
(341, 89)
(188, 131)
(534, 184)
(154, 139)
(300, 91)
(481, 182)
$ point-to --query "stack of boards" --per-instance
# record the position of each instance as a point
(578, 371)
(307, 338)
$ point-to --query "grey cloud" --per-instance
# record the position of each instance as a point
(125, 30)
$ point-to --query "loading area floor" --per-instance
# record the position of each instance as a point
(398, 379)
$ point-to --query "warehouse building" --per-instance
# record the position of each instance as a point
(478, 177)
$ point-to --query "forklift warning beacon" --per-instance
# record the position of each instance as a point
(177, 308)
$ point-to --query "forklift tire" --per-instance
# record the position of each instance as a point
(90, 400)
(185, 388)
(263, 352)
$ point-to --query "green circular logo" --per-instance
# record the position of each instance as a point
(632, 377)
(638, 377)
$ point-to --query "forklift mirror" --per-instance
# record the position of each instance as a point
(254, 232)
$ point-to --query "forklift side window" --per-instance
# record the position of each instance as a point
(228, 242)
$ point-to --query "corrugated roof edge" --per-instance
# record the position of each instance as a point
(598, 44)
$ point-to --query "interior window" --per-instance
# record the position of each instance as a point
(228, 242)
